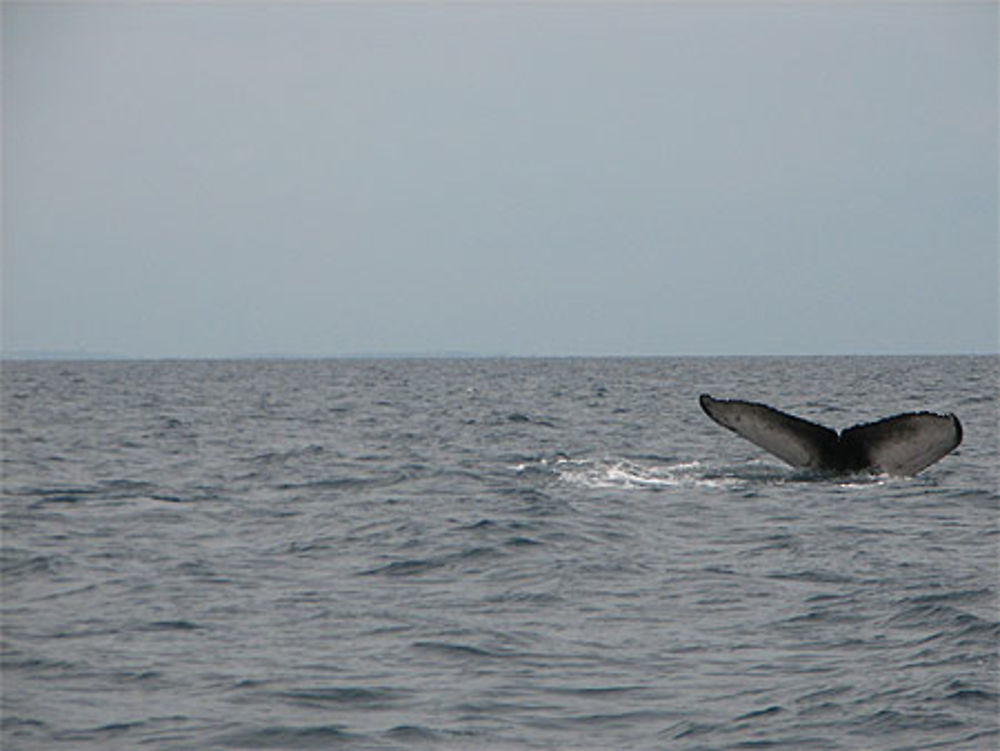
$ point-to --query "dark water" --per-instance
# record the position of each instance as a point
(488, 554)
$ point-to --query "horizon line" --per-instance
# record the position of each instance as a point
(87, 356)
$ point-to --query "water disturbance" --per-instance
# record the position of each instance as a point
(488, 554)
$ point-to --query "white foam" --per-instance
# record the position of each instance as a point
(628, 474)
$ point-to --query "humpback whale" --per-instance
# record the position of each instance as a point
(899, 445)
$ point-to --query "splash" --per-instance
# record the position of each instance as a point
(640, 474)
(629, 474)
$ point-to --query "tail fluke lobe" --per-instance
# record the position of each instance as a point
(905, 444)
(799, 442)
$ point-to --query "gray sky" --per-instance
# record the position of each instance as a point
(233, 178)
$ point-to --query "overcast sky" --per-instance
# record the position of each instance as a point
(556, 178)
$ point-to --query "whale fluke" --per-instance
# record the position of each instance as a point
(899, 445)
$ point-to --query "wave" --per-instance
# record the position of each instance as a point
(286, 737)
(413, 566)
(464, 651)
(346, 696)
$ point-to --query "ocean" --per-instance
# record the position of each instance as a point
(489, 554)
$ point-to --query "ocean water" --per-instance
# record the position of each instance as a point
(488, 554)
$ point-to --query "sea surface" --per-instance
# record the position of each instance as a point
(489, 554)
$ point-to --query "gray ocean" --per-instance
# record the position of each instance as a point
(489, 554)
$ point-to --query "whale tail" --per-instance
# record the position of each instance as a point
(899, 445)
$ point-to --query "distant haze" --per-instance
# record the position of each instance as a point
(231, 179)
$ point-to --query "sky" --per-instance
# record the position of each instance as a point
(228, 179)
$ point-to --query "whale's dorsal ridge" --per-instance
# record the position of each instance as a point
(900, 445)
